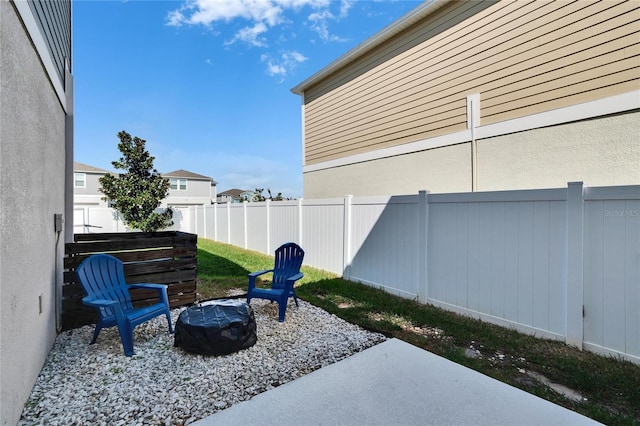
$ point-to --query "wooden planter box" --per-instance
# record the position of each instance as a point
(168, 257)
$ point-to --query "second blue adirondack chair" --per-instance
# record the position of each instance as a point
(286, 271)
(102, 277)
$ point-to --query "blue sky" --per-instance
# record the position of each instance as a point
(207, 82)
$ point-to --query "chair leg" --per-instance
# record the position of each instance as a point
(295, 298)
(96, 331)
(126, 337)
(168, 315)
(282, 309)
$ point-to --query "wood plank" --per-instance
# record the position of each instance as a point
(163, 277)
(174, 264)
(108, 236)
(71, 262)
(139, 268)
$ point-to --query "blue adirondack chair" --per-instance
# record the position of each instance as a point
(102, 277)
(286, 271)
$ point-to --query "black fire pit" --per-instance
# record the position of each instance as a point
(216, 328)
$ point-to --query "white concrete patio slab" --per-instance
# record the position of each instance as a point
(395, 383)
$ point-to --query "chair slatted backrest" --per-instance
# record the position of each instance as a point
(102, 277)
(288, 260)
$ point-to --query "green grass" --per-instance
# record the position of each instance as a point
(611, 386)
(223, 267)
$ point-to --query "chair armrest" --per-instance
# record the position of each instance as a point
(104, 303)
(99, 303)
(252, 277)
(296, 277)
(292, 279)
(162, 290)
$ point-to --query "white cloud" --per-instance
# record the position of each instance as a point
(345, 5)
(285, 63)
(262, 14)
(251, 35)
(320, 21)
(261, 17)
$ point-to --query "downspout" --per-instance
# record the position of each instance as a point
(67, 219)
(473, 121)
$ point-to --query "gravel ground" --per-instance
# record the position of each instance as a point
(162, 385)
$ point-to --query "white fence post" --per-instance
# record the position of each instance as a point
(228, 223)
(300, 240)
(575, 278)
(268, 207)
(194, 229)
(244, 224)
(346, 251)
(204, 221)
(423, 246)
(215, 222)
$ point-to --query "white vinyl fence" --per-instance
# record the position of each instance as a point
(558, 263)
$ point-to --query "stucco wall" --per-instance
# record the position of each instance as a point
(198, 192)
(32, 182)
(599, 152)
(446, 169)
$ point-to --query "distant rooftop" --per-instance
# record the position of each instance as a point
(187, 174)
(81, 167)
(235, 193)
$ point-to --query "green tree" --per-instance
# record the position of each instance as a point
(138, 191)
(257, 195)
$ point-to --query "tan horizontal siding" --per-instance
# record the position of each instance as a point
(522, 57)
(400, 80)
(367, 122)
(418, 129)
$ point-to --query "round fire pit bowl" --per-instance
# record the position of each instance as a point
(217, 327)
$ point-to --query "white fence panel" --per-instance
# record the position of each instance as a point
(323, 234)
(198, 214)
(222, 224)
(612, 270)
(183, 219)
(103, 219)
(237, 225)
(209, 222)
(257, 226)
(500, 256)
(384, 243)
(284, 224)
(535, 260)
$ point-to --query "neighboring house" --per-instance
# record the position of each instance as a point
(36, 188)
(187, 188)
(235, 196)
(86, 187)
(475, 96)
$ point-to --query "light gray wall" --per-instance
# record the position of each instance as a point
(600, 152)
(32, 183)
(198, 192)
(92, 186)
(90, 195)
(444, 169)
